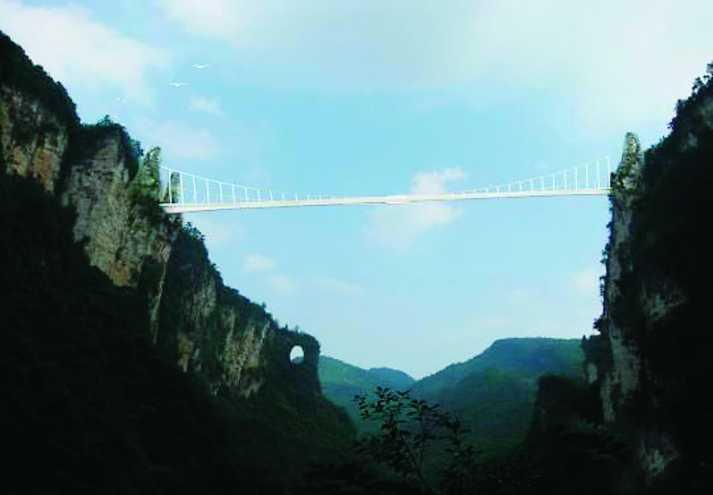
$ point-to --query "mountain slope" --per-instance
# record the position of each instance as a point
(392, 378)
(342, 381)
(493, 393)
(530, 356)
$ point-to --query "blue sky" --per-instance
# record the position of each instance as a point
(376, 97)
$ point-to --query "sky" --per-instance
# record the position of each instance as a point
(373, 97)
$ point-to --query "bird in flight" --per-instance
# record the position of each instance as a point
(201, 66)
(177, 84)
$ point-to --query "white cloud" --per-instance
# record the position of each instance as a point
(400, 226)
(179, 140)
(609, 62)
(81, 52)
(435, 182)
(616, 62)
(281, 283)
(253, 263)
(211, 18)
(206, 105)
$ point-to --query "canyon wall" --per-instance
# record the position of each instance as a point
(649, 362)
(204, 327)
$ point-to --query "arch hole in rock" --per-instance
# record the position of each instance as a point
(297, 355)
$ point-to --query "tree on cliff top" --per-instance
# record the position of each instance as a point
(147, 181)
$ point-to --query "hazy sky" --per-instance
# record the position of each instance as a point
(368, 97)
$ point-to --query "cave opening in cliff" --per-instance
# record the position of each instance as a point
(297, 355)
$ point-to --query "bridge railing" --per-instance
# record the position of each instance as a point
(184, 188)
(179, 187)
(588, 176)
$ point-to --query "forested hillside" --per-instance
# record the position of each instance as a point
(341, 382)
(493, 393)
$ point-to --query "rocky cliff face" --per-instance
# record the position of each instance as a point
(32, 139)
(125, 241)
(212, 330)
(622, 378)
(89, 169)
(205, 327)
(623, 371)
(646, 362)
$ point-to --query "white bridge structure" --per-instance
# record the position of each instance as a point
(183, 192)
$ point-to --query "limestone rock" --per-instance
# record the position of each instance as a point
(32, 140)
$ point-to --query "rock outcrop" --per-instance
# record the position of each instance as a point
(122, 237)
(212, 330)
(623, 377)
(623, 373)
(646, 362)
(32, 139)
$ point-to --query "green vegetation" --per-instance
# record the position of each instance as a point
(417, 447)
(407, 429)
(341, 382)
(172, 194)
(86, 138)
(568, 448)
(493, 396)
(524, 355)
(389, 377)
(494, 392)
(18, 72)
(146, 185)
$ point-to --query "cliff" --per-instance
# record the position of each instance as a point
(212, 330)
(208, 332)
(209, 328)
(494, 392)
(650, 363)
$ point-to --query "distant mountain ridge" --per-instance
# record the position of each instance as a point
(334, 371)
(396, 378)
(493, 392)
(535, 355)
(342, 381)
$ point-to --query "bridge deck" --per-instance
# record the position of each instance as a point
(402, 199)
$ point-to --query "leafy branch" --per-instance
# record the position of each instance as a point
(409, 428)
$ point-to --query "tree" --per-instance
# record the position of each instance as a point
(147, 181)
(408, 429)
(172, 194)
